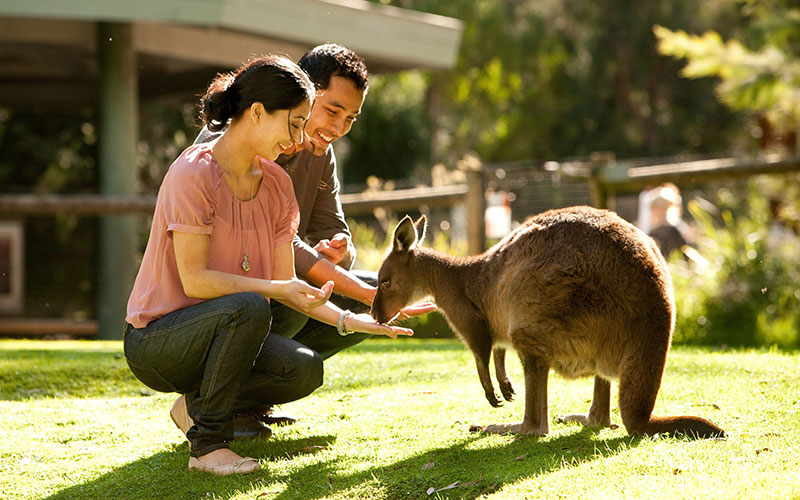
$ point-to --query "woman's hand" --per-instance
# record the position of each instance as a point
(366, 323)
(301, 296)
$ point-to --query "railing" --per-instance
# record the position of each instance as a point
(606, 177)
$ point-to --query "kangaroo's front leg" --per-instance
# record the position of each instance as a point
(499, 355)
(537, 417)
(482, 352)
(482, 364)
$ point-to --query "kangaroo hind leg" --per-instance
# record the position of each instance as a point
(600, 412)
(640, 380)
(537, 417)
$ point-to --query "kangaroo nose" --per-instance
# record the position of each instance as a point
(376, 311)
(373, 311)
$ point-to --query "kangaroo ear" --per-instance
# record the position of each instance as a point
(405, 236)
(421, 227)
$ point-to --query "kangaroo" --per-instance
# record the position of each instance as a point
(578, 289)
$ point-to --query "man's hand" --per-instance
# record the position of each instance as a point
(365, 323)
(335, 249)
(414, 310)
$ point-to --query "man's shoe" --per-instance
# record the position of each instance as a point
(180, 415)
(272, 416)
(248, 426)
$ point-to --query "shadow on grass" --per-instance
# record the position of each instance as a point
(165, 476)
(474, 469)
(468, 472)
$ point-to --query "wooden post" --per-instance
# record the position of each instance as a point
(598, 191)
(476, 204)
(118, 124)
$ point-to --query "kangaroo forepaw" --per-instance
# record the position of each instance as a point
(493, 399)
(507, 389)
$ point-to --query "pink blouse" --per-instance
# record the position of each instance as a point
(194, 198)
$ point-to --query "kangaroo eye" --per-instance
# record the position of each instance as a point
(385, 284)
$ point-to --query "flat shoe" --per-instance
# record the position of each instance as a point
(243, 466)
(273, 416)
(248, 427)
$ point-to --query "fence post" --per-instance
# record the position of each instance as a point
(598, 191)
(476, 203)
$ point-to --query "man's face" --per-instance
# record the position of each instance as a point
(334, 111)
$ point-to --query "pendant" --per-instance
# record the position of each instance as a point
(245, 263)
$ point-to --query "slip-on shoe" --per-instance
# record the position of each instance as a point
(244, 466)
(248, 426)
(273, 416)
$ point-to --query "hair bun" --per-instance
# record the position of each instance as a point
(219, 103)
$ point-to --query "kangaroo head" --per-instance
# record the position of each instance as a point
(397, 278)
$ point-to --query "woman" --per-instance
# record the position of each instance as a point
(219, 249)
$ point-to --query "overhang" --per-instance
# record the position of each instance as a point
(49, 47)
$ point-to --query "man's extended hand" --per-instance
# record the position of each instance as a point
(415, 310)
(335, 249)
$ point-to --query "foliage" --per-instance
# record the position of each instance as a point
(748, 294)
(391, 138)
(560, 79)
(48, 153)
(44, 154)
(391, 422)
(759, 73)
(56, 153)
(167, 128)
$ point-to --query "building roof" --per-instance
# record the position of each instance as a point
(48, 47)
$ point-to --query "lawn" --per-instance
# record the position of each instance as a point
(392, 422)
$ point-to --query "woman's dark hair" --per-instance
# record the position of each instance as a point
(275, 82)
(324, 61)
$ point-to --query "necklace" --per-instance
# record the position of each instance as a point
(245, 259)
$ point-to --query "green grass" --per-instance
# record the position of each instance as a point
(392, 422)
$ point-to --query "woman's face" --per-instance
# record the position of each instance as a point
(280, 130)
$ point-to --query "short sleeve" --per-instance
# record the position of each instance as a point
(188, 198)
(287, 227)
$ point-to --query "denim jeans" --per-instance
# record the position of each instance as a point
(219, 354)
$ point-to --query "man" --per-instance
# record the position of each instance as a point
(323, 248)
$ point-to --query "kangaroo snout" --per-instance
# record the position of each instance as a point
(381, 316)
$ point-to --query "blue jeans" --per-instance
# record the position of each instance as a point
(219, 354)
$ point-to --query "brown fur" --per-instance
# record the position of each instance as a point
(578, 290)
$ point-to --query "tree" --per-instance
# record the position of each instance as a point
(541, 80)
(760, 73)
